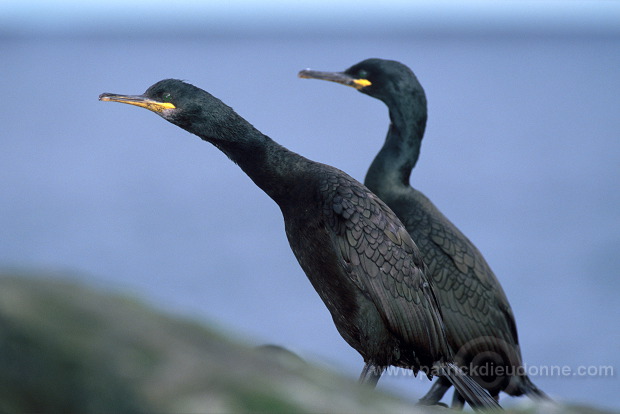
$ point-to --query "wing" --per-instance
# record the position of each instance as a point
(384, 263)
(473, 302)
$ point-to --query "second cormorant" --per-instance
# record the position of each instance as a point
(480, 325)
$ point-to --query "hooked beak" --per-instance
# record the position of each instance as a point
(338, 77)
(138, 100)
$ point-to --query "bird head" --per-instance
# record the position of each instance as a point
(180, 103)
(387, 80)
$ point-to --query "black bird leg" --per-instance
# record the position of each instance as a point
(458, 402)
(370, 374)
(436, 393)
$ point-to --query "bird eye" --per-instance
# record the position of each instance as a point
(166, 97)
(362, 74)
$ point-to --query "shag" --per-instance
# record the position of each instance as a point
(354, 250)
(479, 322)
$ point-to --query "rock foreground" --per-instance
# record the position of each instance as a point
(66, 348)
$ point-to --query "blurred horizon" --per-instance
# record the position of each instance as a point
(310, 18)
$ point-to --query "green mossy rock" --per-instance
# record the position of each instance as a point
(68, 348)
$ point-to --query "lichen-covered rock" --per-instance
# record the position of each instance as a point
(65, 347)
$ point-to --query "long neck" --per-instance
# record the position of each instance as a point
(272, 167)
(391, 169)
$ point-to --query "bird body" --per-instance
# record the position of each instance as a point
(354, 250)
(370, 277)
(479, 322)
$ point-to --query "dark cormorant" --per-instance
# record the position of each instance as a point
(354, 250)
(480, 326)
